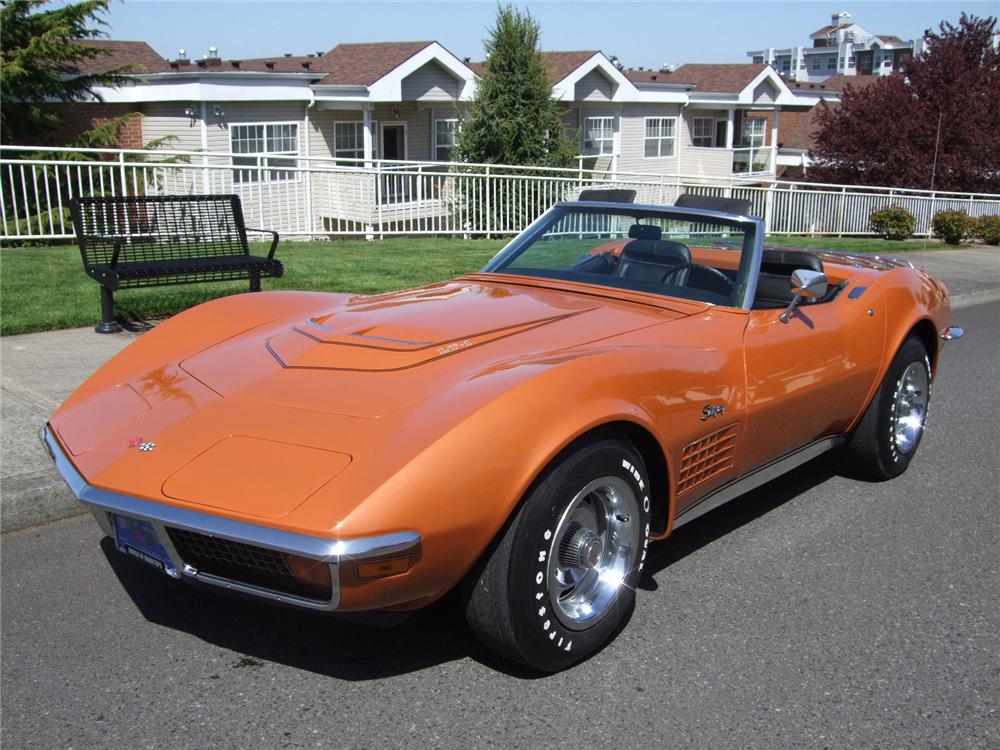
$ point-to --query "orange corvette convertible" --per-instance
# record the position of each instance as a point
(522, 433)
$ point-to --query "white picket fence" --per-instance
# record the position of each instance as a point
(314, 197)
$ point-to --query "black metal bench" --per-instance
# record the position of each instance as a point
(162, 240)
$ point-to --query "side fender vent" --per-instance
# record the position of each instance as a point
(707, 457)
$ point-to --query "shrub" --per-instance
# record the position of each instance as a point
(893, 223)
(952, 226)
(988, 229)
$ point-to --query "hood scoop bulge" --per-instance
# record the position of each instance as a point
(391, 333)
(308, 346)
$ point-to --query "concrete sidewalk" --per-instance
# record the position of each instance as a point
(39, 370)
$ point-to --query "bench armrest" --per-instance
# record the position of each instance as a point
(274, 242)
(116, 252)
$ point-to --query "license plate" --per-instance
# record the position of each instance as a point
(138, 539)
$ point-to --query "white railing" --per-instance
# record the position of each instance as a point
(316, 196)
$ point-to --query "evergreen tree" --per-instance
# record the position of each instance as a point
(41, 54)
(513, 118)
(947, 103)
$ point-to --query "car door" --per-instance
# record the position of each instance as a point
(809, 377)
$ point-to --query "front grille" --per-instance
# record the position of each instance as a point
(244, 563)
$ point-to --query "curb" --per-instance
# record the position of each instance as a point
(970, 299)
(36, 498)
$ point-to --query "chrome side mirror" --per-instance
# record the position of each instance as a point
(806, 284)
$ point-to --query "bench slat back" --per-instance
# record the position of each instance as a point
(159, 228)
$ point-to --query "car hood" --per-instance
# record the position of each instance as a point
(369, 356)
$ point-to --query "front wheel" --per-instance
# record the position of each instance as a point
(889, 433)
(561, 581)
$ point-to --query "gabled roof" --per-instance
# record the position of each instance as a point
(715, 78)
(652, 76)
(559, 64)
(138, 55)
(889, 38)
(364, 64)
(831, 28)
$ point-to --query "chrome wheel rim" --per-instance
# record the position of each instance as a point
(909, 410)
(592, 551)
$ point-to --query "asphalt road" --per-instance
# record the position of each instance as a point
(818, 611)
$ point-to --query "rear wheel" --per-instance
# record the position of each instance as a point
(888, 435)
(561, 581)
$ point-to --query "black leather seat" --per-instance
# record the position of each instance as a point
(649, 258)
(774, 284)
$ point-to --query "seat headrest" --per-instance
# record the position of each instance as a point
(780, 260)
(645, 232)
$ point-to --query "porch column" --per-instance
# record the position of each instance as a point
(366, 115)
(730, 127)
(774, 142)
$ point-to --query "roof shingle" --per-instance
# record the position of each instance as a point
(706, 78)
(559, 64)
(139, 56)
(363, 64)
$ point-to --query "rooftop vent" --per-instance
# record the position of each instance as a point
(269, 64)
(288, 54)
(306, 64)
(213, 53)
(235, 63)
(182, 54)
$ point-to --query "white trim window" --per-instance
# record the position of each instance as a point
(660, 137)
(349, 141)
(703, 132)
(445, 138)
(279, 140)
(598, 135)
(753, 131)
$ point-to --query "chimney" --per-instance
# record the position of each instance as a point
(182, 59)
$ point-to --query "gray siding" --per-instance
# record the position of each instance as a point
(593, 87)
(703, 162)
(430, 83)
(765, 92)
(632, 156)
(161, 120)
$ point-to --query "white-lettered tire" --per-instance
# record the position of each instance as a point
(889, 433)
(560, 582)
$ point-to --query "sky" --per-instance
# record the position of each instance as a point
(647, 34)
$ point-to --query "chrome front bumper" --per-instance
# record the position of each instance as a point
(333, 552)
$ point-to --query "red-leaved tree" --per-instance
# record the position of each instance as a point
(885, 133)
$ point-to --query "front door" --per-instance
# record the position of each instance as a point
(395, 186)
(807, 378)
(394, 141)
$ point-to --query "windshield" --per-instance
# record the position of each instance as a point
(671, 252)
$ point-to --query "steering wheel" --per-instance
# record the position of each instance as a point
(713, 271)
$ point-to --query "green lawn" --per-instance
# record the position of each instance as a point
(856, 244)
(44, 288)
